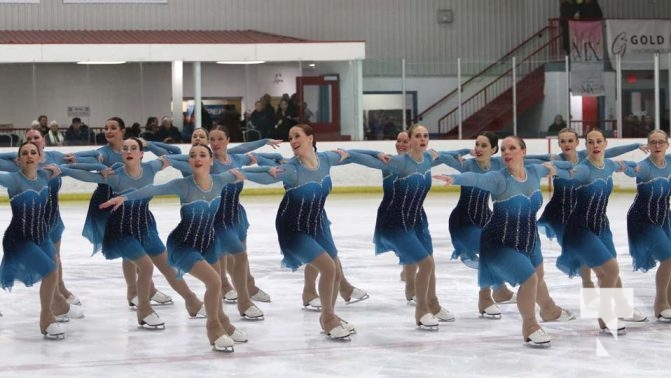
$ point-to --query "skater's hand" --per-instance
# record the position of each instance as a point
(343, 154)
(114, 203)
(274, 143)
(551, 168)
(275, 171)
(645, 148)
(385, 158)
(252, 159)
(70, 158)
(53, 169)
(447, 178)
(107, 172)
(239, 177)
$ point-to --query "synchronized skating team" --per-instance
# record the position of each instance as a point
(210, 239)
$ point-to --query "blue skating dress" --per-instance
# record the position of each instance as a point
(94, 225)
(470, 215)
(28, 250)
(193, 239)
(402, 225)
(648, 217)
(556, 212)
(53, 215)
(231, 223)
(130, 231)
(591, 241)
(509, 243)
(302, 227)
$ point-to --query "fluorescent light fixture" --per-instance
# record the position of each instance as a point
(241, 61)
(312, 65)
(102, 62)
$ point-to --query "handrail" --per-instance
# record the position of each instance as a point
(501, 87)
(484, 71)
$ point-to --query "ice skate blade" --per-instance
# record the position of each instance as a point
(231, 296)
(564, 316)
(238, 336)
(665, 315)
(54, 331)
(223, 344)
(636, 317)
(339, 333)
(152, 322)
(314, 304)
(621, 330)
(444, 315)
(428, 323)
(261, 296)
(200, 314)
(492, 312)
(358, 295)
(538, 339)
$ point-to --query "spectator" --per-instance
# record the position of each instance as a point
(151, 130)
(54, 137)
(285, 120)
(557, 125)
(589, 10)
(167, 133)
(43, 124)
(133, 132)
(230, 118)
(78, 134)
(261, 120)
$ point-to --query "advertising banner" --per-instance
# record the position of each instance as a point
(586, 58)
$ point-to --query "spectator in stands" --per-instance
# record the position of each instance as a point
(43, 123)
(167, 133)
(557, 125)
(132, 132)
(78, 134)
(54, 136)
(151, 130)
(589, 10)
(286, 119)
(261, 120)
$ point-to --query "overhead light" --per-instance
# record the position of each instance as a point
(102, 62)
(312, 65)
(241, 61)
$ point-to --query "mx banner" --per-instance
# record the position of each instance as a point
(636, 41)
(586, 58)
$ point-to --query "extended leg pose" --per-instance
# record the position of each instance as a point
(191, 245)
(131, 232)
(231, 223)
(302, 226)
(96, 219)
(29, 254)
(509, 243)
(63, 298)
(556, 212)
(404, 226)
(588, 240)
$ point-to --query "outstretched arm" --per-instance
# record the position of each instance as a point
(161, 149)
(619, 150)
(491, 181)
(251, 146)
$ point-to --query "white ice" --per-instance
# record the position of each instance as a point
(107, 342)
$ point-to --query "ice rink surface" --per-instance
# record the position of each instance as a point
(108, 342)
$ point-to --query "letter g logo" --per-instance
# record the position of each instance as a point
(619, 45)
